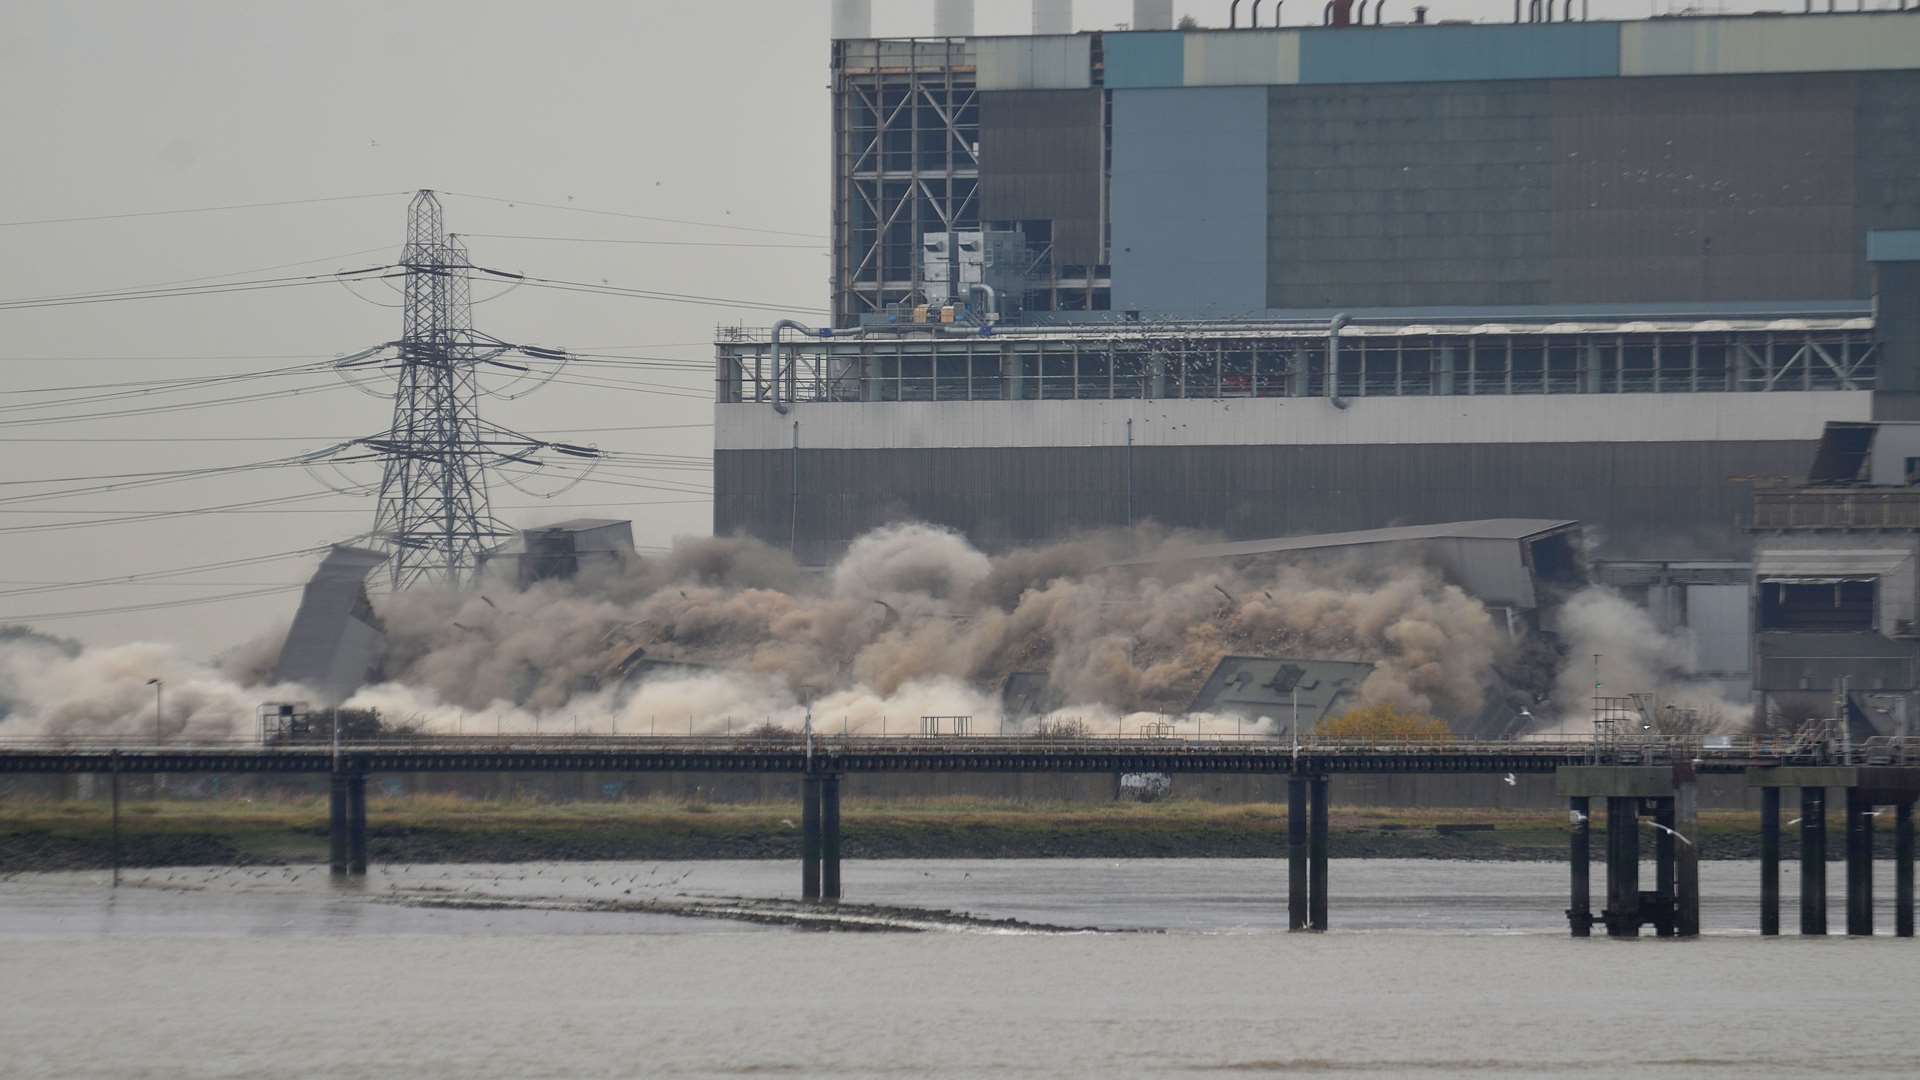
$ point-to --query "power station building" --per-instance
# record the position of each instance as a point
(1275, 281)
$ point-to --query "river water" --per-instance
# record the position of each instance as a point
(1433, 969)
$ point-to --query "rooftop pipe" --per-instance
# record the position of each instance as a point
(1333, 361)
(780, 378)
(1233, 13)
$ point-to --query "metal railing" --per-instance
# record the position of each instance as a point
(1878, 750)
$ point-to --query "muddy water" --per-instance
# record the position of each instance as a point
(1434, 969)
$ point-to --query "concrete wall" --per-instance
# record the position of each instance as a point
(1655, 473)
(1461, 791)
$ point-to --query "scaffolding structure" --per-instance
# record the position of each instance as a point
(906, 135)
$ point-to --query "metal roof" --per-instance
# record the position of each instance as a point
(1514, 529)
(1828, 563)
(1267, 686)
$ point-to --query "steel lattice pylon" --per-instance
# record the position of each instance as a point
(433, 518)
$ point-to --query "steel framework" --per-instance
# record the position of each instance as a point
(433, 517)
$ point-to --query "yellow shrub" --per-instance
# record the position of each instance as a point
(1384, 722)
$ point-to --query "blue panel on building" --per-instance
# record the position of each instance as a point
(1457, 53)
(1893, 245)
(1189, 189)
(1145, 59)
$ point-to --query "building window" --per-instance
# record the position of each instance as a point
(1818, 603)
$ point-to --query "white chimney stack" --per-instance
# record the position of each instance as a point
(1053, 16)
(1153, 14)
(954, 18)
(852, 19)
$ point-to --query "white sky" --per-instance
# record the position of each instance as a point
(706, 111)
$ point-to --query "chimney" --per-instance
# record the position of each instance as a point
(952, 18)
(1153, 14)
(852, 19)
(1053, 16)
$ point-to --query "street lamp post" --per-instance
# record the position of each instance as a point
(157, 686)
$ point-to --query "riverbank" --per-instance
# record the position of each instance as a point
(38, 835)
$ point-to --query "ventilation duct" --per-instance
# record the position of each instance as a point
(1153, 14)
(952, 18)
(852, 19)
(1053, 16)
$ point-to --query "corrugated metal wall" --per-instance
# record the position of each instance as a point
(1034, 63)
(1710, 188)
(1586, 191)
(1189, 191)
(1647, 499)
(1447, 53)
(1040, 158)
(1406, 196)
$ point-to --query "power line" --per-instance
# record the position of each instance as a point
(122, 295)
(636, 217)
(158, 605)
(306, 438)
(196, 209)
(604, 289)
(648, 243)
(180, 571)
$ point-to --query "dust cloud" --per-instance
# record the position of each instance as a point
(728, 634)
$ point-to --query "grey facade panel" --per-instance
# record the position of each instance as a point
(1408, 195)
(1582, 191)
(1189, 193)
(1704, 188)
(1671, 500)
(1040, 159)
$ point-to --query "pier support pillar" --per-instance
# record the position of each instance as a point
(1623, 866)
(1296, 853)
(1580, 863)
(1663, 868)
(810, 837)
(1770, 861)
(830, 837)
(357, 823)
(1317, 842)
(1686, 897)
(337, 823)
(1859, 863)
(1903, 869)
(1813, 860)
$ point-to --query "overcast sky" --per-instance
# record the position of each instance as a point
(711, 112)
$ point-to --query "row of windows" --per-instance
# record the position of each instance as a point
(1368, 367)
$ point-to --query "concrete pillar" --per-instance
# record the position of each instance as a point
(337, 823)
(1769, 861)
(1317, 843)
(810, 838)
(1623, 866)
(1686, 820)
(1903, 870)
(1663, 845)
(1813, 860)
(356, 823)
(1296, 853)
(1859, 863)
(1580, 862)
(830, 837)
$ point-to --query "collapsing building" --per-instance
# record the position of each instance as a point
(1322, 279)
(336, 643)
(561, 550)
(1295, 694)
(1512, 565)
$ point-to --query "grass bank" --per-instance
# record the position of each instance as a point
(58, 835)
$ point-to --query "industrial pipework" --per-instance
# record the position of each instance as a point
(1333, 361)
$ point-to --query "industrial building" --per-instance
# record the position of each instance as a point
(1266, 282)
